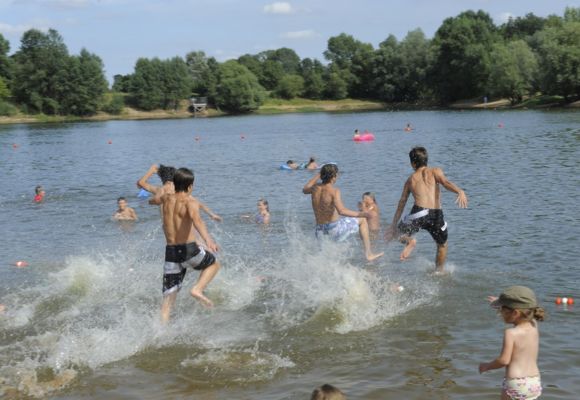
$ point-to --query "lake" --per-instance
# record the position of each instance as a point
(82, 319)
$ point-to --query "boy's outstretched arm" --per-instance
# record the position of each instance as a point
(342, 210)
(209, 212)
(143, 184)
(307, 189)
(391, 231)
(440, 177)
(199, 225)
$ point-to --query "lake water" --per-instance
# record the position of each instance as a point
(82, 320)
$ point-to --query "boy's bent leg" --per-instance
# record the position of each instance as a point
(363, 230)
(410, 243)
(441, 257)
(167, 305)
(205, 277)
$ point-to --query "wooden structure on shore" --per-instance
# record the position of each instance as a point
(198, 105)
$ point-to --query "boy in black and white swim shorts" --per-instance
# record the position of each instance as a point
(180, 257)
(431, 220)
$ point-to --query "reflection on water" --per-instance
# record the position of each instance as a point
(82, 319)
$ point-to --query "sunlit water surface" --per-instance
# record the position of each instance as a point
(82, 320)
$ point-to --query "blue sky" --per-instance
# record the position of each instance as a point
(121, 31)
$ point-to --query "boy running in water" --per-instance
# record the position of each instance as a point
(328, 208)
(426, 213)
(180, 213)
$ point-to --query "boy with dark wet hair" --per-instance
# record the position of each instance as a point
(180, 214)
(124, 212)
(328, 209)
(426, 213)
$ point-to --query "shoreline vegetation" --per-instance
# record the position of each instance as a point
(279, 106)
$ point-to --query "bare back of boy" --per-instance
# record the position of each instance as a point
(179, 212)
(424, 185)
(323, 203)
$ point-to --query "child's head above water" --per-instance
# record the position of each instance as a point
(263, 202)
(327, 392)
(519, 299)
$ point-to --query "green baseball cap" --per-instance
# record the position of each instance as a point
(516, 297)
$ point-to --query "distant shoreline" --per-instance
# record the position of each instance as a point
(278, 106)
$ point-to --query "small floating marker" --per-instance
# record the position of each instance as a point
(110, 142)
(15, 146)
(197, 138)
(242, 137)
(500, 125)
(21, 264)
(558, 300)
(400, 288)
(564, 300)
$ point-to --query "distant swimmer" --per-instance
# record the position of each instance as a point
(180, 214)
(311, 164)
(263, 214)
(426, 213)
(292, 164)
(124, 212)
(408, 128)
(356, 134)
(327, 206)
(39, 194)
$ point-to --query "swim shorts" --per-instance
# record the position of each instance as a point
(338, 230)
(528, 388)
(425, 218)
(178, 258)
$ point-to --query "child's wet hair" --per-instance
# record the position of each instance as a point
(264, 202)
(121, 198)
(289, 162)
(327, 172)
(327, 392)
(38, 189)
(165, 173)
(418, 156)
(371, 195)
(528, 314)
(183, 179)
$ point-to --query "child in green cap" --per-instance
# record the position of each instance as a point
(519, 355)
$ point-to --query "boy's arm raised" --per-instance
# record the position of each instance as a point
(307, 189)
(440, 177)
(143, 184)
(199, 225)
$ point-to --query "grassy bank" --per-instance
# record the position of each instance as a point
(279, 106)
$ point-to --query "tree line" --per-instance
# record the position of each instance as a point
(468, 57)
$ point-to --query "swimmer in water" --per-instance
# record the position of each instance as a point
(181, 218)
(328, 209)
(311, 164)
(356, 134)
(263, 214)
(39, 194)
(408, 128)
(292, 164)
(124, 213)
(426, 213)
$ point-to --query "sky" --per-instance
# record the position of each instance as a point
(121, 31)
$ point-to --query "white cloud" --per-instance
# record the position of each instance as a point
(305, 34)
(280, 7)
(9, 29)
(504, 17)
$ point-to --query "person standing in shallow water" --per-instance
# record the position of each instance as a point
(426, 213)
(180, 213)
(328, 209)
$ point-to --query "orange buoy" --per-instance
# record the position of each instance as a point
(110, 142)
(21, 264)
(570, 300)
(14, 146)
(558, 300)
(242, 137)
(500, 125)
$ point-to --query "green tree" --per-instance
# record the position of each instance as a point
(146, 89)
(522, 27)
(559, 58)
(290, 86)
(84, 84)
(6, 64)
(353, 60)
(336, 87)
(514, 70)
(177, 82)
(313, 72)
(238, 90)
(287, 58)
(40, 69)
(272, 73)
(463, 45)
(121, 83)
(4, 91)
